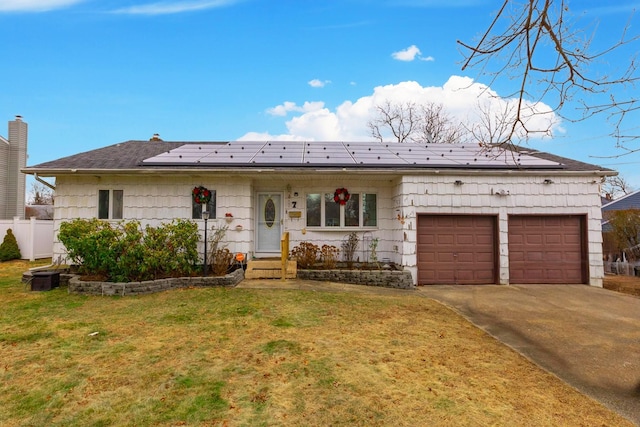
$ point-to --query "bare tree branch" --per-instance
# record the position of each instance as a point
(409, 121)
(538, 44)
(615, 187)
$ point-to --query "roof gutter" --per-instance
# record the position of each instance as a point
(333, 169)
(45, 183)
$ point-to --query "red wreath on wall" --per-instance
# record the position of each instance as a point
(341, 196)
(201, 195)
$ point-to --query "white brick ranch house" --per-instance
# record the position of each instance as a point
(447, 213)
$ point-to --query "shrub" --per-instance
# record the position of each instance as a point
(214, 242)
(349, 248)
(88, 243)
(373, 246)
(125, 253)
(305, 254)
(179, 239)
(329, 256)
(221, 261)
(9, 248)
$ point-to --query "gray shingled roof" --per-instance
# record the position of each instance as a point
(124, 155)
(131, 155)
(628, 201)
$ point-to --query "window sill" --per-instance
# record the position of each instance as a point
(373, 228)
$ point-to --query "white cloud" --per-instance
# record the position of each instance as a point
(35, 5)
(168, 7)
(288, 106)
(408, 54)
(319, 83)
(427, 58)
(348, 122)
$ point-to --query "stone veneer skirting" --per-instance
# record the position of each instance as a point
(77, 286)
(399, 279)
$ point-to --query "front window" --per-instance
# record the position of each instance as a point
(110, 204)
(359, 211)
(196, 208)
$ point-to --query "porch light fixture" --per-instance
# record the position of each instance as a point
(205, 216)
(458, 182)
(547, 181)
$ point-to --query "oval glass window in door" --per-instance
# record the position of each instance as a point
(269, 212)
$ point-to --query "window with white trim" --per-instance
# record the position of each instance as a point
(110, 203)
(196, 208)
(361, 210)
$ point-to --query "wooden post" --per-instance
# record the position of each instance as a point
(284, 253)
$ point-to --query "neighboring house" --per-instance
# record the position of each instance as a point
(628, 201)
(39, 211)
(13, 157)
(448, 213)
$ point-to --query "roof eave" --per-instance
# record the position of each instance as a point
(45, 172)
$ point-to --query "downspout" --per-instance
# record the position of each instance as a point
(52, 187)
(42, 181)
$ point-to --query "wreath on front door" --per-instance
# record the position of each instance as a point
(201, 195)
(341, 196)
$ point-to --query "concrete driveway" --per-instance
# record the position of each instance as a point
(589, 337)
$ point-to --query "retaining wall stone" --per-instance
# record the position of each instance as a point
(77, 286)
(399, 279)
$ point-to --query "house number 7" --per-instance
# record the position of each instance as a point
(293, 204)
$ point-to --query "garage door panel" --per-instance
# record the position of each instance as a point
(465, 239)
(463, 249)
(444, 257)
(572, 240)
(485, 257)
(553, 239)
(553, 249)
(533, 239)
(445, 239)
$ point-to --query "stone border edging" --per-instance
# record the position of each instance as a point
(398, 279)
(77, 286)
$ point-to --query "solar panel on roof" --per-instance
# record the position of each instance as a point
(363, 154)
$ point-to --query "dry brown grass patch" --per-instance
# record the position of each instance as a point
(265, 357)
(620, 283)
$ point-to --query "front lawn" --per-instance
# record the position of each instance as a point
(242, 357)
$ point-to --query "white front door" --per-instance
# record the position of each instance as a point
(269, 227)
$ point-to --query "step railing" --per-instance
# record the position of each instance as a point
(284, 254)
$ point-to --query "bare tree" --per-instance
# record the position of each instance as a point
(437, 126)
(615, 187)
(491, 126)
(399, 120)
(40, 195)
(409, 121)
(539, 45)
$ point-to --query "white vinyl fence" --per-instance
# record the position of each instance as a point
(621, 267)
(34, 236)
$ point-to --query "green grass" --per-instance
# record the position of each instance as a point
(241, 357)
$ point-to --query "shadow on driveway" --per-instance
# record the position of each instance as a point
(589, 337)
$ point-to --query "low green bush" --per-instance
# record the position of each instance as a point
(123, 252)
(9, 248)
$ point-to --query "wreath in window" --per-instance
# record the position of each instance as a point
(201, 195)
(341, 196)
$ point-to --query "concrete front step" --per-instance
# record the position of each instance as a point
(269, 269)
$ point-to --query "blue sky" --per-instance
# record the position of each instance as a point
(89, 73)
